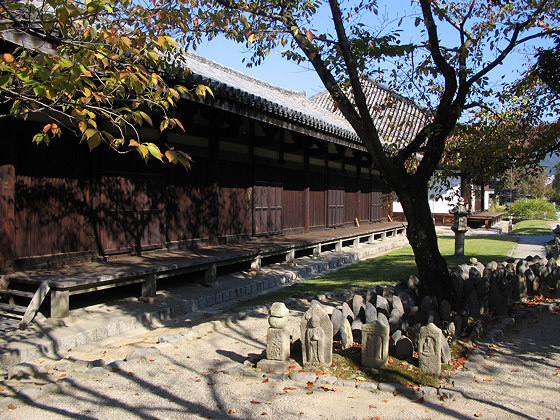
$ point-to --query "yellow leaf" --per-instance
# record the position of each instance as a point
(133, 143)
(126, 41)
(252, 38)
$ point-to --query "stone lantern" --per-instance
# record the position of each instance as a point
(460, 226)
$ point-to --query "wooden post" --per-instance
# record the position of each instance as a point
(291, 256)
(210, 275)
(317, 251)
(60, 303)
(256, 263)
(149, 288)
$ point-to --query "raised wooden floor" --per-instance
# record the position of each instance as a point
(151, 266)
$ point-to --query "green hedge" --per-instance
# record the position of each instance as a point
(532, 208)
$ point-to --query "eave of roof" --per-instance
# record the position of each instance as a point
(269, 103)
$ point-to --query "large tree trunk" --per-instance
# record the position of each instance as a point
(435, 279)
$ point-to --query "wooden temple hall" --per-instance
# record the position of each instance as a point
(267, 162)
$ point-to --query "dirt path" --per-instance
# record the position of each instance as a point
(186, 380)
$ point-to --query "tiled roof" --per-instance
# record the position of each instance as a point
(397, 118)
(291, 105)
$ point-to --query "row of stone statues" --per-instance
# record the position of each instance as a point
(316, 334)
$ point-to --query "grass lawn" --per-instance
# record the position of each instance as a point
(532, 227)
(391, 267)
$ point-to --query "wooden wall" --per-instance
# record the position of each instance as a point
(68, 199)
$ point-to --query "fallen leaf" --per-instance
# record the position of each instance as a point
(232, 411)
(263, 413)
(419, 400)
(395, 393)
(385, 401)
(309, 392)
(372, 406)
(554, 373)
(488, 380)
(515, 370)
(255, 402)
(292, 366)
(479, 414)
(12, 407)
(352, 396)
(390, 360)
(265, 381)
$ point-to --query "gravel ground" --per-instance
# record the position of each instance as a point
(200, 378)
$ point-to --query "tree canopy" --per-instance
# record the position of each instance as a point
(95, 67)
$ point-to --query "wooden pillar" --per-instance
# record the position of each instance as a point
(7, 215)
(306, 202)
(60, 303)
(149, 288)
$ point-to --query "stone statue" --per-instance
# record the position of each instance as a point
(316, 338)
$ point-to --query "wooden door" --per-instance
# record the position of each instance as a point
(335, 207)
(267, 207)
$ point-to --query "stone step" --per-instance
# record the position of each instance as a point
(20, 293)
(12, 310)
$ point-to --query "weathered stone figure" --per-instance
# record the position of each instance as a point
(278, 336)
(316, 338)
(375, 344)
(429, 349)
(277, 339)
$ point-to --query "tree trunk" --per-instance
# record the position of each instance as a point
(435, 279)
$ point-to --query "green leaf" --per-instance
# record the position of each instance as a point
(154, 151)
(93, 138)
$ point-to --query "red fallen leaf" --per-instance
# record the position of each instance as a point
(265, 381)
(385, 401)
(557, 369)
(515, 370)
(301, 370)
(309, 385)
(319, 373)
(376, 418)
(292, 366)
(309, 392)
(333, 364)
(390, 360)
(269, 371)
(263, 413)
(372, 406)
(232, 411)
(488, 380)
(12, 407)
(461, 360)
(555, 374)
(69, 349)
(301, 412)
(419, 400)
(152, 360)
(347, 358)
(63, 375)
(118, 370)
(395, 393)
(479, 414)
(356, 367)
(289, 388)
(255, 402)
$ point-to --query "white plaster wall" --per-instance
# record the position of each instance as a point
(440, 205)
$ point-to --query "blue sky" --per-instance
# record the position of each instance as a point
(280, 72)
